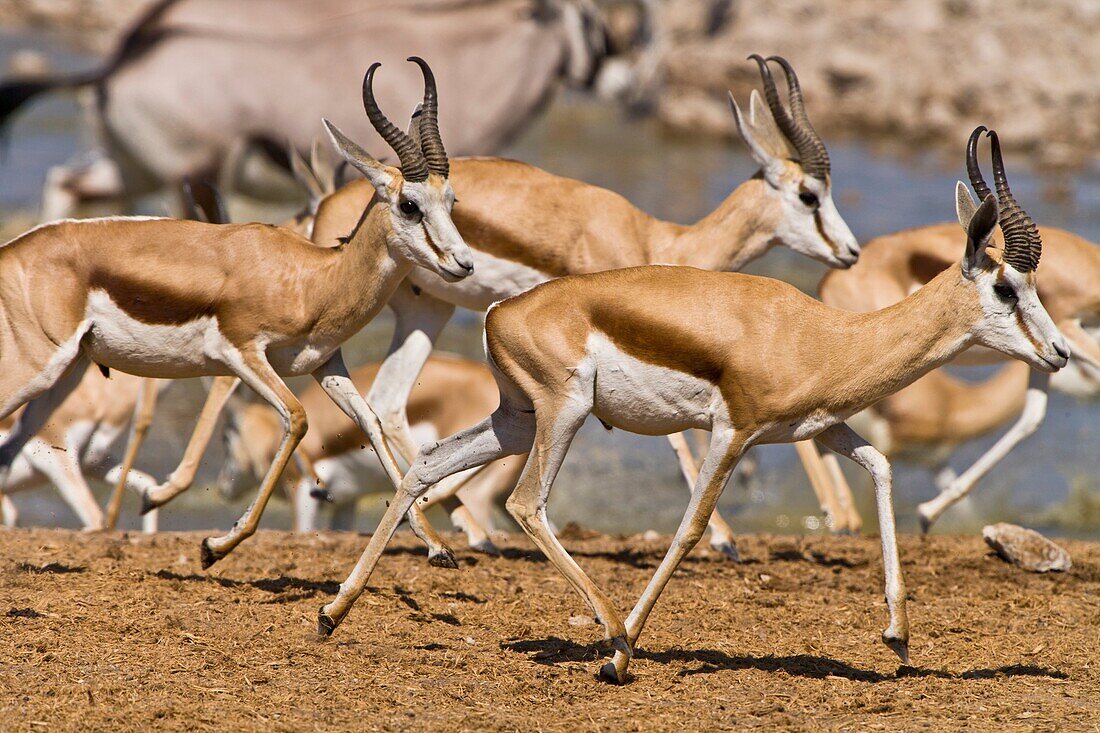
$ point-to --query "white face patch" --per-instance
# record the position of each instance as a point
(648, 399)
(1014, 321)
(810, 223)
(494, 279)
(424, 233)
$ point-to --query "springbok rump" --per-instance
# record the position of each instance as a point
(753, 360)
(269, 69)
(451, 394)
(526, 226)
(172, 299)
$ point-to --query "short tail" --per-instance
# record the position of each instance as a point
(14, 93)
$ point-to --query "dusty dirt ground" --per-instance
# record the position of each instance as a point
(117, 632)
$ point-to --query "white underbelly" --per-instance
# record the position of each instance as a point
(646, 398)
(358, 472)
(493, 279)
(117, 340)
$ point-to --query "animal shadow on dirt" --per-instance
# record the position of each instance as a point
(276, 586)
(554, 650)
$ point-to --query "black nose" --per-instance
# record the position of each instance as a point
(1061, 351)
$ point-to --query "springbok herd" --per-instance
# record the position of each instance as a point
(592, 308)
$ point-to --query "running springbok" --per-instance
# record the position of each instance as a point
(655, 350)
(172, 299)
(1069, 287)
(526, 226)
(451, 394)
(79, 439)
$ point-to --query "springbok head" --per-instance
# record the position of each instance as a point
(795, 167)
(1013, 321)
(419, 196)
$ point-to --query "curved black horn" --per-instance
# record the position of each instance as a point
(413, 165)
(1023, 245)
(972, 168)
(430, 141)
(815, 160)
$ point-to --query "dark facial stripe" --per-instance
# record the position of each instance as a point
(821, 230)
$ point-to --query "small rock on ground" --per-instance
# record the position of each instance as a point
(1026, 548)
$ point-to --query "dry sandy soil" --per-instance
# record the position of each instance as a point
(116, 632)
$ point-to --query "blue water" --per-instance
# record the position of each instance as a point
(625, 483)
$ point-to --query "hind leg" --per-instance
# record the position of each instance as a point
(62, 468)
(554, 434)
(507, 431)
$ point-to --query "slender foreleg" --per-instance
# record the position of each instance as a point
(143, 418)
(721, 535)
(334, 379)
(725, 449)
(181, 479)
(844, 441)
(506, 432)
(1035, 408)
(257, 373)
(9, 514)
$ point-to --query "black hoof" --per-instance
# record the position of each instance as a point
(609, 674)
(925, 525)
(325, 624)
(899, 647)
(147, 504)
(207, 555)
(486, 547)
(729, 550)
(444, 559)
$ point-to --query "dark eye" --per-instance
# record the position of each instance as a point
(1005, 292)
(809, 198)
(408, 208)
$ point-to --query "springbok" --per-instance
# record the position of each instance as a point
(79, 439)
(157, 126)
(939, 411)
(660, 349)
(526, 226)
(172, 299)
(451, 394)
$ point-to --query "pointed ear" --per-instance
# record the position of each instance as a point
(303, 174)
(380, 175)
(978, 232)
(771, 165)
(964, 204)
(766, 131)
(322, 165)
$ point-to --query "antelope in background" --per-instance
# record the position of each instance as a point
(753, 360)
(939, 412)
(526, 226)
(451, 394)
(173, 299)
(80, 439)
(157, 127)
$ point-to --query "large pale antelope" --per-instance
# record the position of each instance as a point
(157, 125)
(661, 349)
(938, 412)
(171, 298)
(79, 440)
(526, 226)
(451, 394)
